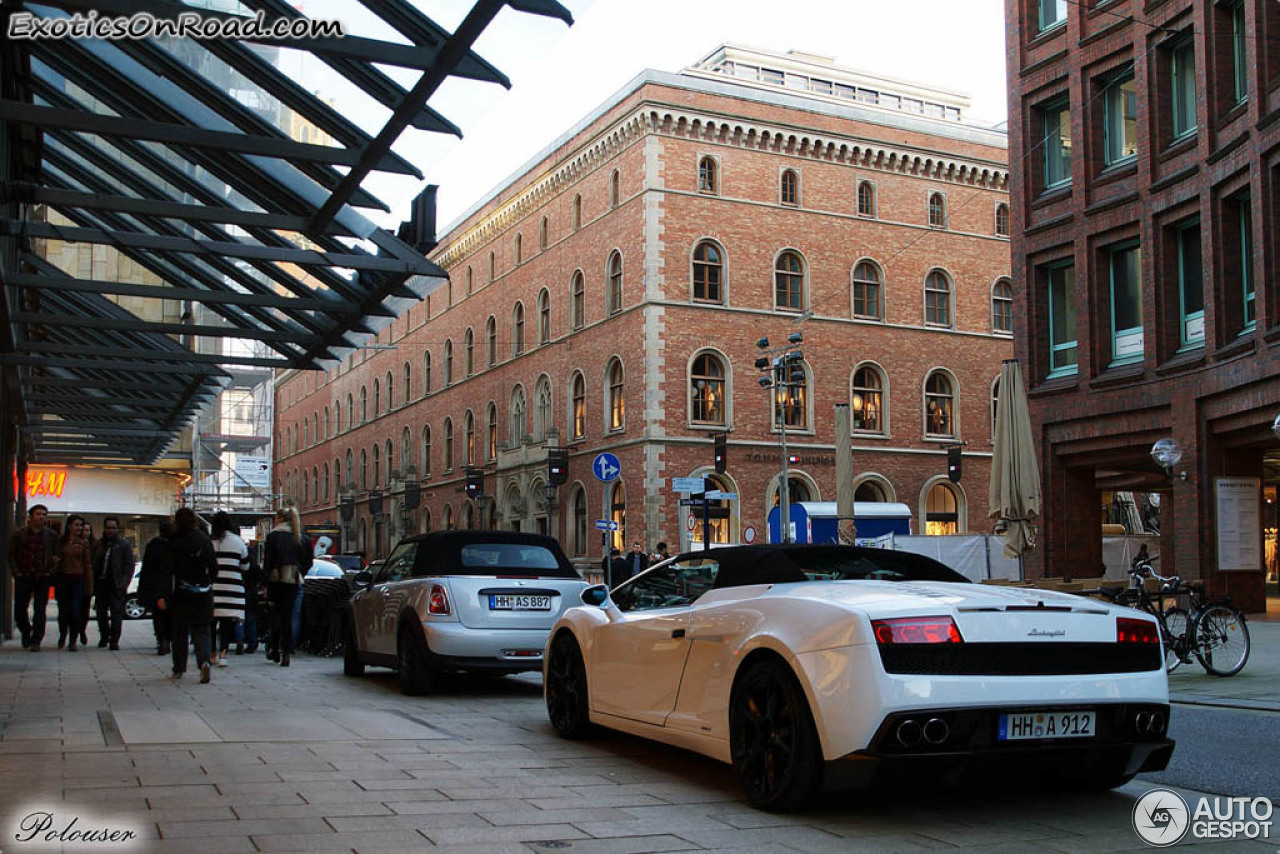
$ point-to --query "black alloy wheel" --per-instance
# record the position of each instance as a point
(772, 739)
(418, 674)
(351, 663)
(566, 688)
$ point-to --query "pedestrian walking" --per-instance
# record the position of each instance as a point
(287, 560)
(636, 560)
(148, 582)
(614, 568)
(74, 581)
(255, 598)
(112, 572)
(228, 586)
(185, 589)
(33, 562)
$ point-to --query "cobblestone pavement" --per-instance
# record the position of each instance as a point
(305, 759)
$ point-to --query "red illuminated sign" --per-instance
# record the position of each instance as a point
(45, 483)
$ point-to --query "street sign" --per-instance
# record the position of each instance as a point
(693, 485)
(606, 468)
(606, 525)
(716, 494)
(690, 502)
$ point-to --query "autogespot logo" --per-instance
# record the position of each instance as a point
(1161, 818)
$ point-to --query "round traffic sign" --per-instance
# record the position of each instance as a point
(749, 534)
(693, 522)
(606, 467)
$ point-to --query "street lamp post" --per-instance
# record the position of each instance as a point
(781, 373)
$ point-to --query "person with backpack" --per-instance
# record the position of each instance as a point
(185, 589)
(287, 560)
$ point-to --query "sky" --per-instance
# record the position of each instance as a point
(560, 74)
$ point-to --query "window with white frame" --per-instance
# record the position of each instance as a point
(866, 199)
(937, 210)
(939, 405)
(617, 399)
(707, 390)
(867, 401)
(578, 412)
(1002, 220)
(788, 280)
(578, 300)
(1002, 306)
(708, 175)
(517, 329)
(543, 416)
(789, 188)
(937, 299)
(468, 353)
(491, 431)
(866, 290)
(708, 273)
(447, 460)
(544, 316)
(615, 282)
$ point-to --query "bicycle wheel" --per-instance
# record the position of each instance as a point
(1175, 621)
(1222, 640)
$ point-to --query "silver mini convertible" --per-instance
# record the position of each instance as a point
(459, 600)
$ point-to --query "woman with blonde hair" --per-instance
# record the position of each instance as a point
(286, 559)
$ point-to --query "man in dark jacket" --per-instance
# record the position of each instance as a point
(636, 560)
(148, 579)
(112, 572)
(185, 589)
(32, 560)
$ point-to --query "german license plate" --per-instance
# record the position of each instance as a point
(512, 602)
(1025, 725)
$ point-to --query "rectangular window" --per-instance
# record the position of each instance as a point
(1190, 285)
(1052, 13)
(1239, 52)
(1182, 88)
(771, 75)
(844, 90)
(1062, 320)
(1056, 121)
(1120, 121)
(1125, 262)
(1246, 265)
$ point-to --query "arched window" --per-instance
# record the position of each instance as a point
(448, 363)
(351, 413)
(617, 402)
(351, 470)
(542, 233)
(447, 459)
(1002, 306)
(937, 210)
(326, 423)
(364, 404)
(615, 192)
(543, 415)
(377, 468)
(942, 511)
(491, 342)
(448, 292)
(615, 282)
(518, 249)
(788, 280)
(468, 352)
(867, 399)
(337, 478)
(406, 451)
(791, 400)
(408, 382)
(870, 490)
(707, 390)
(618, 514)
(391, 392)
(578, 412)
(469, 437)
(468, 281)
(708, 273)
(306, 433)
(446, 518)
(797, 490)
(426, 453)
(578, 300)
(937, 299)
(306, 489)
(866, 199)
(789, 187)
(364, 470)
(377, 399)
(580, 543)
(493, 265)
(467, 522)
(517, 329)
(577, 212)
(866, 291)
(426, 373)
(708, 176)
(326, 483)
(995, 405)
(517, 412)
(939, 405)
(544, 316)
(1002, 220)
(491, 434)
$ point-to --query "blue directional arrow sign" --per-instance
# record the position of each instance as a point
(606, 525)
(606, 467)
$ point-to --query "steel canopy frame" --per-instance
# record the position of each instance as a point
(128, 142)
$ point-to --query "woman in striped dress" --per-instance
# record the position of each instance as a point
(228, 587)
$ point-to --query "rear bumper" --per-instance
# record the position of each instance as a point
(453, 645)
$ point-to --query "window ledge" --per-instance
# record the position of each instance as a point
(1116, 171)
(703, 425)
(1184, 360)
(942, 440)
(868, 435)
(1118, 375)
(1049, 195)
(794, 431)
(1181, 144)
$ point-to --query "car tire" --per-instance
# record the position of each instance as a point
(772, 740)
(418, 675)
(133, 609)
(566, 689)
(351, 663)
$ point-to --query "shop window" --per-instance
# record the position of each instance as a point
(942, 511)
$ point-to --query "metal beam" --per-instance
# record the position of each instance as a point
(149, 356)
(117, 365)
(178, 134)
(126, 325)
(74, 426)
(37, 381)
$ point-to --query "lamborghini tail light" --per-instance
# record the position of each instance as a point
(1129, 630)
(916, 630)
(438, 603)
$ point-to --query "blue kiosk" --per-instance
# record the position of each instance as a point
(815, 521)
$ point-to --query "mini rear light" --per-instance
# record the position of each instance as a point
(1129, 630)
(916, 630)
(439, 601)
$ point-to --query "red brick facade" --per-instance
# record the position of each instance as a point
(653, 137)
(1214, 167)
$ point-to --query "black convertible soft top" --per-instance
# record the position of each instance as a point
(785, 564)
(468, 552)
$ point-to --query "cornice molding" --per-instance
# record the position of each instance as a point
(683, 123)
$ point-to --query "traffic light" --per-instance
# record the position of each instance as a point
(557, 466)
(722, 453)
(475, 483)
(953, 463)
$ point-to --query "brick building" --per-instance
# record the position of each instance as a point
(609, 298)
(1145, 159)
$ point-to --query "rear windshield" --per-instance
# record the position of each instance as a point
(886, 565)
(512, 559)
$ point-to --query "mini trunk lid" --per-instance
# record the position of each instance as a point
(506, 602)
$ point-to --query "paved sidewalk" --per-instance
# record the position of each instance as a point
(305, 759)
(1257, 686)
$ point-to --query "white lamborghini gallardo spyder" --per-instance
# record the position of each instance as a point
(812, 666)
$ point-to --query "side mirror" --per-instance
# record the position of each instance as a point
(363, 579)
(596, 595)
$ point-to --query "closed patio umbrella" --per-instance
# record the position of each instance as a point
(1015, 478)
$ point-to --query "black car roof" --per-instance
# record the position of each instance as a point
(442, 538)
(772, 563)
